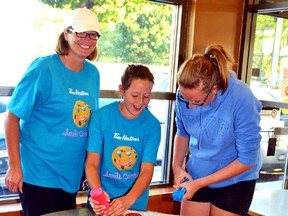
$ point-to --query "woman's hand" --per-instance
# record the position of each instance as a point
(14, 179)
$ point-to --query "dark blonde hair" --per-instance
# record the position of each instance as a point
(62, 48)
(133, 72)
(206, 70)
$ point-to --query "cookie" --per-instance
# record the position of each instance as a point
(124, 157)
(81, 113)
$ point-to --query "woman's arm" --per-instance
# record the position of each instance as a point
(14, 177)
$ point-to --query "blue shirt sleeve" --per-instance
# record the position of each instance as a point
(247, 128)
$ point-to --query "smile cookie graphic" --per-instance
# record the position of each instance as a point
(124, 158)
(81, 113)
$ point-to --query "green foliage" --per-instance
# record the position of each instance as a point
(265, 35)
(135, 31)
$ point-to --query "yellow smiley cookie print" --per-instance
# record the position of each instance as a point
(124, 157)
(81, 113)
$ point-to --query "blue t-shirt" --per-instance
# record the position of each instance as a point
(54, 105)
(228, 129)
(124, 144)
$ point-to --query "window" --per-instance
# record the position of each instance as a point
(136, 31)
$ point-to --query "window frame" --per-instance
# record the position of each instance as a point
(180, 52)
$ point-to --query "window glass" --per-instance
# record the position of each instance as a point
(269, 82)
(137, 31)
(270, 59)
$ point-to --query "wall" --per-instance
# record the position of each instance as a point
(217, 21)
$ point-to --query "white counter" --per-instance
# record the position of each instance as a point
(270, 203)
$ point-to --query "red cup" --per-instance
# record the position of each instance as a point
(98, 195)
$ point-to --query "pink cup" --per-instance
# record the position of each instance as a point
(98, 195)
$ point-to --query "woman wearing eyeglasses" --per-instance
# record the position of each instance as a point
(47, 122)
(217, 118)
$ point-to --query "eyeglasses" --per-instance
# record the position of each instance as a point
(92, 36)
(181, 98)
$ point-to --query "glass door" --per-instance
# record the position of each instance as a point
(267, 75)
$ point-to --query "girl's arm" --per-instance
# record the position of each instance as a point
(122, 204)
(92, 175)
(231, 170)
(91, 170)
(180, 151)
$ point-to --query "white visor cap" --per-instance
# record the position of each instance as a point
(83, 19)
